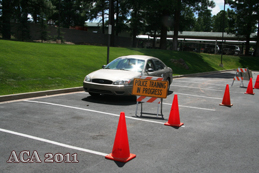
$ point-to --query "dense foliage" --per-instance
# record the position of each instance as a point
(137, 17)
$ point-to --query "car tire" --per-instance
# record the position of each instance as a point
(168, 89)
(94, 94)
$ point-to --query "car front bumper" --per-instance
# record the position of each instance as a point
(108, 89)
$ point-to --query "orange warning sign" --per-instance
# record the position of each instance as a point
(150, 88)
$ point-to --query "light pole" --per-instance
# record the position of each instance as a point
(223, 28)
(108, 46)
(109, 32)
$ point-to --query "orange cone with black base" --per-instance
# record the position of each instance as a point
(121, 151)
(174, 116)
(257, 83)
(226, 98)
(249, 89)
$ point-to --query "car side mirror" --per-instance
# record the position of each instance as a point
(150, 69)
(103, 66)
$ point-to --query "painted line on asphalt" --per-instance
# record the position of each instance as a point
(196, 88)
(203, 88)
(198, 96)
(204, 83)
(53, 142)
(192, 107)
(91, 110)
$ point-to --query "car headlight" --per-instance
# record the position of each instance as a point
(121, 82)
(87, 78)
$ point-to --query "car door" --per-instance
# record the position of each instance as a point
(159, 68)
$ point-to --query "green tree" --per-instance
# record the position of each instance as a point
(72, 12)
(204, 21)
(122, 14)
(246, 12)
(195, 6)
(188, 20)
(98, 10)
(24, 27)
(1, 14)
(137, 19)
(217, 22)
(152, 20)
(40, 9)
(18, 11)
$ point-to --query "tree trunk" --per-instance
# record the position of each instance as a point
(176, 29)
(248, 31)
(103, 27)
(117, 18)
(163, 37)
(176, 25)
(6, 31)
(24, 26)
(256, 53)
(134, 40)
(154, 40)
(247, 45)
(248, 38)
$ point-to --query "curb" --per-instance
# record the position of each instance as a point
(11, 97)
(38, 94)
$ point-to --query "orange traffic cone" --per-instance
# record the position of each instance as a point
(257, 83)
(250, 87)
(174, 117)
(226, 98)
(121, 151)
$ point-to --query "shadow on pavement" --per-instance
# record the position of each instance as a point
(112, 100)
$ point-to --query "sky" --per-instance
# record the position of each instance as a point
(219, 6)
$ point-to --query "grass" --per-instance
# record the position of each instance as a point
(27, 67)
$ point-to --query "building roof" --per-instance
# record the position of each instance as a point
(193, 34)
(209, 35)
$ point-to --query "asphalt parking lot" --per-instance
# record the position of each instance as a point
(78, 130)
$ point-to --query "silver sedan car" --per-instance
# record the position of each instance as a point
(117, 77)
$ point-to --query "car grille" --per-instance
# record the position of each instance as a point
(102, 81)
(100, 91)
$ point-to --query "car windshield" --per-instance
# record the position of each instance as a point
(129, 64)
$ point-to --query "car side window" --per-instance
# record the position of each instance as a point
(158, 65)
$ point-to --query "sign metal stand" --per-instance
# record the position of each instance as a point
(240, 76)
(151, 90)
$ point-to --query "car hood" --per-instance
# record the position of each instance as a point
(113, 75)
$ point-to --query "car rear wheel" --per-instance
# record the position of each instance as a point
(168, 89)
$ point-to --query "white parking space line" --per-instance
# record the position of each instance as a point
(192, 107)
(198, 96)
(204, 83)
(205, 88)
(53, 142)
(196, 87)
(90, 110)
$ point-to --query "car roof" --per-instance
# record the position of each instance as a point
(142, 57)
